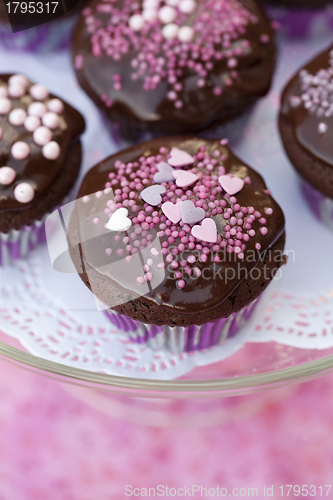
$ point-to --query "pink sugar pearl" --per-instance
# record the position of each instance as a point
(20, 150)
(16, 90)
(17, 117)
(18, 79)
(5, 106)
(24, 192)
(31, 123)
(37, 109)
(51, 150)
(7, 175)
(51, 120)
(39, 92)
(42, 135)
(56, 106)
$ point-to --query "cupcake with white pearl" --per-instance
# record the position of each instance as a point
(173, 66)
(306, 127)
(40, 158)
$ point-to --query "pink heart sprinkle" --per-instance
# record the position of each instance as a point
(172, 211)
(206, 232)
(180, 158)
(184, 178)
(231, 185)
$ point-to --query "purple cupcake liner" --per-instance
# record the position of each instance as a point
(18, 243)
(183, 339)
(50, 36)
(321, 206)
(299, 23)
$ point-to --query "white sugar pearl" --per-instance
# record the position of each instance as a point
(170, 31)
(167, 14)
(136, 22)
(20, 150)
(151, 4)
(39, 92)
(24, 192)
(51, 150)
(16, 90)
(7, 175)
(3, 92)
(37, 109)
(185, 34)
(51, 120)
(322, 128)
(149, 14)
(17, 117)
(5, 106)
(20, 79)
(187, 6)
(42, 135)
(31, 123)
(56, 106)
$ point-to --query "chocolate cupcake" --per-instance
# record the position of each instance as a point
(178, 238)
(306, 126)
(40, 158)
(160, 67)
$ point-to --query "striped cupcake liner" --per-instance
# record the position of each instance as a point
(183, 339)
(18, 243)
(321, 206)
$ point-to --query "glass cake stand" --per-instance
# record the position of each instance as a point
(235, 388)
(243, 383)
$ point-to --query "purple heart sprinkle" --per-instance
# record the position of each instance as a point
(190, 213)
(164, 173)
(152, 194)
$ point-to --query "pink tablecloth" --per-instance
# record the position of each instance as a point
(54, 447)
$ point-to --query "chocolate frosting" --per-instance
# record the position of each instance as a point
(307, 105)
(36, 169)
(104, 251)
(245, 49)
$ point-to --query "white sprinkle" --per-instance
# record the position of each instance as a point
(170, 31)
(185, 34)
(187, 6)
(322, 128)
(136, 22)
(167, 14)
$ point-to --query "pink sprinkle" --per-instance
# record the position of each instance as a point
(263, 230)
(20, 150)
(268, 211)
(96, 220)
(5, 106)
(56, 105)
(51, 150)
(39, 92)
(181, 283)
(140, 280)
(78, 62)
(37, 109)
(42, 135)
(108, 251)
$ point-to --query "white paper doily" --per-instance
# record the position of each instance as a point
(54, 316)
